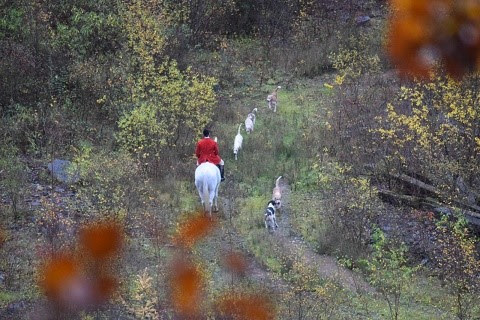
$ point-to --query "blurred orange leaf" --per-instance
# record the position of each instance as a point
(105, 286)
(246, 307)
(424, 33)
(58, 274)
(102, 240)
(193, 230)
(187, 284)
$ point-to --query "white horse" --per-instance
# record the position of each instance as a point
(207, 181)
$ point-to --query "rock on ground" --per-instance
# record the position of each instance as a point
(59, 169)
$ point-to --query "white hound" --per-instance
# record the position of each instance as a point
(272, 99)
(237, 144)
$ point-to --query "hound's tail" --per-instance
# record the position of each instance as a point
(276, 182)
(254, 110)
(239, 127)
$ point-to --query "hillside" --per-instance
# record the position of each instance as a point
(379, 170)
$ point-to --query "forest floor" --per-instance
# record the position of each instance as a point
(282, 263)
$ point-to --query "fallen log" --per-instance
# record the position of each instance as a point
(428, 204)
(472, 217)
(396, 198)
(441, 196)
(413, 201)
(415, 182)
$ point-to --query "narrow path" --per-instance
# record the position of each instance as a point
(228, 240)
(326, 266)
(256, 272)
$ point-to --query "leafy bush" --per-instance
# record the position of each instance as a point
(87, 32)
(111, 181)
(359, 90)
(347, 208)
(170, 113)
(12, 175)
(166, 107)
(456, 262)
(143, 297)
(354, 62)
(24, 128)
(433, 127)
(389, 270)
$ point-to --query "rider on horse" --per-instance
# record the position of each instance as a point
(207, 150)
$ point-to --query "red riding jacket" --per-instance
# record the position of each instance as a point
(207, 150)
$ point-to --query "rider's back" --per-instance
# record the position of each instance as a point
(207, 150)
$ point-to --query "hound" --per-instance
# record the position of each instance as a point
(253, 115)
(272, 99)
(277, 194)
(237, 144)
(250, 121)
(270, 220)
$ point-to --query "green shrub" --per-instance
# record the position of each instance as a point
(12, 175)
(169, 113)
(389, 270)
(111, 181)
(24, 127)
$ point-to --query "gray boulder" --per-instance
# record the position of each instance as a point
(362, 19)
(59, 169)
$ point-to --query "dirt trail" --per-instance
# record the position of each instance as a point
(228, 240)
(326, 266)
(256, 272)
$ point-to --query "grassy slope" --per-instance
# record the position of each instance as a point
(275, 148)
(279, 146)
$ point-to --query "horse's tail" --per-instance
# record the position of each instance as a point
(239, 127)
(206, 199)
(276, 182)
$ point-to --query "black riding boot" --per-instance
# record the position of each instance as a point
(222, 171)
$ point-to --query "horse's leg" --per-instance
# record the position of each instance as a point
(215, 204)
(215, 199)
(211, 198)
(200, 193)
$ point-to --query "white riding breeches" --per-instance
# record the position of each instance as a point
(222, 163)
